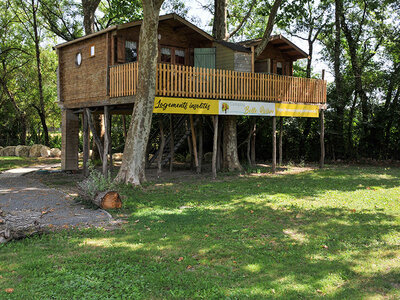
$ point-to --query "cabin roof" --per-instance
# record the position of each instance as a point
(234, 46)
(163, 18)
(281, 43)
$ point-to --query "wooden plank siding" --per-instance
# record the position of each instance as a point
(192, 82)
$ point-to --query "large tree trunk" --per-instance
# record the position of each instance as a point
(41, 108)
(219, 25)
(89, 8)
(132, 169)
(231, 159)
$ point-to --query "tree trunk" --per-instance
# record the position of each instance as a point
(107, 200)
(41, 110)
(132, 169)
(219, 25)
(231, 159)
(89, 8)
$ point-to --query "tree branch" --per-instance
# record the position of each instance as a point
(229, 35)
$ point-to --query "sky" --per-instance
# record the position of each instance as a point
(204, 17)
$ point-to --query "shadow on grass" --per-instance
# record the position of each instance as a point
(218, 253)
(301, 186)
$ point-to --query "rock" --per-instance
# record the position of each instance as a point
(1, 151)
(55, 152)
(35, 150)
(45, 152)
(22, 151)
(9, 151)
(117, 156)
(208, 157)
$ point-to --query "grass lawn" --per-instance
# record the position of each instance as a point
(333, 233)
(11, 162)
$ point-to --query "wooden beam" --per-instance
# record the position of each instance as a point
(273, 144)
(196, 160)
(96, 138)
(215, 148)
(322, 129)
(171, 143)
(280, 140)
(106, 140)
(110, 142)
(252, 59)
(85, 130)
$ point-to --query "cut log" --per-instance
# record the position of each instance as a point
(107, 200)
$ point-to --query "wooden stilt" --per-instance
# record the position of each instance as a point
(124, 126)
(96, 138)
(322, 134)
(85, 143)
(280, 140)
(110, 143)
(196, 160)
(273, 144)
(161, 150)
(171, 143)
(253, 142)
(200, 135)
(215, 148)
(106, 140)
(322, 138)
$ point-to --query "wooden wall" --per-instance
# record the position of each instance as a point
(242, 62)
(87, 82)
(224, 58)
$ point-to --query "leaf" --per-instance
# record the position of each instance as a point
(180, 258)
(10, 290)
(325, 246)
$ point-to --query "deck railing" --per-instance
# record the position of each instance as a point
(192, 82)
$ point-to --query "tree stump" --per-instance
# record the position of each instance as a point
(107, 200)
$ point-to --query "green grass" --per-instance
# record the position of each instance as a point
(11, 162)
(330, 234)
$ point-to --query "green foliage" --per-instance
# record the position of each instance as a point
(95, 183)
(330, 233)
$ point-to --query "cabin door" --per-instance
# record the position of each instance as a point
(204, 58)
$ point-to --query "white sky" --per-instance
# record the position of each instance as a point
(195, 11)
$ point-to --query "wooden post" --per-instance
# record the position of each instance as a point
(110, 143)
(252, 59)
(322, 129)
(124, 126)
(85, 143)
(161, 150)
(171, 143)
(215, 148)
(280, 140)
(106, 147)
(96, 138)
(273, 144)
(200, 135)
(196, 161)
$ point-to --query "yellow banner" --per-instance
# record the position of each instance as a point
(169, 105)
(296, 110)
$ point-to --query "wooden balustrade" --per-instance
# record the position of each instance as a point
(192, 82)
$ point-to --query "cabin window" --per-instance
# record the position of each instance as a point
(179, 56)
(130, 51)
(166, 55)
(92, 50)
(279, 68)
(78, 59)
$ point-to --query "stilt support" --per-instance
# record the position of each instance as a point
(273, 144)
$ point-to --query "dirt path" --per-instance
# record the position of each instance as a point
(24, 199)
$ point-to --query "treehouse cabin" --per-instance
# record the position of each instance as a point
(101, 69)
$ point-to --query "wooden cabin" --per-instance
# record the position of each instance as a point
(101, 69)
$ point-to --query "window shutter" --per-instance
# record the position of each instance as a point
(204, 57)
(120, 50)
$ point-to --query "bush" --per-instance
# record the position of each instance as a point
(95, 183)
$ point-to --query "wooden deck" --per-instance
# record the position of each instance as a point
(186, 81)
